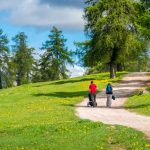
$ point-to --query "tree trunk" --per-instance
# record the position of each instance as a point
(1, 84)
(119, 67)
(112, 70)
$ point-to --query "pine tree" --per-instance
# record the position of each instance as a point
(56, 56)
(23, 59)
(9, 77)
(36, 72)
(4, 51)
(146, 3)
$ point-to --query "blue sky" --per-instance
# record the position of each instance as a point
(36, 18)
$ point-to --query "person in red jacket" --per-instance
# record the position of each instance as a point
(92, 90)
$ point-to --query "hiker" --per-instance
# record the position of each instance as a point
(92, 94)
(109, 92)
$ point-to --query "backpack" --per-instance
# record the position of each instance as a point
(109, 89)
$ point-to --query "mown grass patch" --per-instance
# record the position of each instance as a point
(139, 103)
(42, 116)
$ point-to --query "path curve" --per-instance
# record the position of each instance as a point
(117, 115)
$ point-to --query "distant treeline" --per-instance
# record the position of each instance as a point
(19, 65)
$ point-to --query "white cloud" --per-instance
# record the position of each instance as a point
(8, 4)
(75, 71)
(34, 13)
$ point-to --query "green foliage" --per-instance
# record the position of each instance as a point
(148, 88)
(23, 59)
(10, 73)
(82, 49)
(42, 116)
(57, 55)
(142, 20)
(140, 61)
(112, 30)
(4, 59)
(146, 3)
(97, 69)
(118, 32)
(36, 74)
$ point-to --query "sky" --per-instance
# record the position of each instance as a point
(37, 17)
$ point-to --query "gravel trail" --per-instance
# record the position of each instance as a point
(117, 115)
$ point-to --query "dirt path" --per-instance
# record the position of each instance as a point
(117, 115)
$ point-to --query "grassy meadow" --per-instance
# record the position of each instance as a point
(41, 116)
(139, 103)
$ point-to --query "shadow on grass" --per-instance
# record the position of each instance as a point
(64, 94)
(100, 77)
(75, 81)
(66, 81)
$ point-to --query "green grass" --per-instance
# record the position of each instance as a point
(42, 116)
(139, 103)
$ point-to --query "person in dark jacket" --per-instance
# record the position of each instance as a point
(109, 92)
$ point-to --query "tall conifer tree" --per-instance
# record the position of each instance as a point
(23, 59)
(56, 57)
(4, 51)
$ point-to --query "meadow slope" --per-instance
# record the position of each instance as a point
(42, 116)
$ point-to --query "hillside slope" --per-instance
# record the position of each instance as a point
(41, 116)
